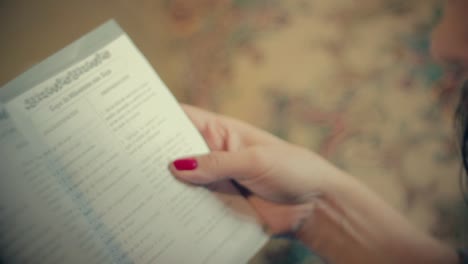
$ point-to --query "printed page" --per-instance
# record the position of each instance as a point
(105, 129)
(38, 223)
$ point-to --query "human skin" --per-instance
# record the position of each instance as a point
(449, 43)
(296, 191)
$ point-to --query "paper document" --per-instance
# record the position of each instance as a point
(86, 138)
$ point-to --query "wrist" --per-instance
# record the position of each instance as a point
(327, 230)
(327, 182)
(323, 206)
(350, 224)
(322, 231)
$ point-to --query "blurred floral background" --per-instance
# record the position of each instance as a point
(351, 80)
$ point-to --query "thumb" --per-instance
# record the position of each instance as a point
(216, 166)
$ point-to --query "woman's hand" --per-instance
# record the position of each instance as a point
(284, 179)
(294, 190)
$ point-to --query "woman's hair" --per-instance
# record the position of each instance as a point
(461, 117)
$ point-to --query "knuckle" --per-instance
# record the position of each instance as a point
(260, 161)
(214, 161)
(257, 156)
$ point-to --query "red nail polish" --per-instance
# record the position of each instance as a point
(185, 164)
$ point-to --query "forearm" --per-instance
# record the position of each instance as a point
(350, 224)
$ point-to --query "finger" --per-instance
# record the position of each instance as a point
(199, 117)
(213, 132)
(216, 166)
(247, 134)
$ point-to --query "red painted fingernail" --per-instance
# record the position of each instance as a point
(185, 164)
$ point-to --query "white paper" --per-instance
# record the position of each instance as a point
(85, 179)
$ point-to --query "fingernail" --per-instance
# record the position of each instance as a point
(185, 164)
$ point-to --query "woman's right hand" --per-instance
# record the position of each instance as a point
(295, 190)
(285, 180)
